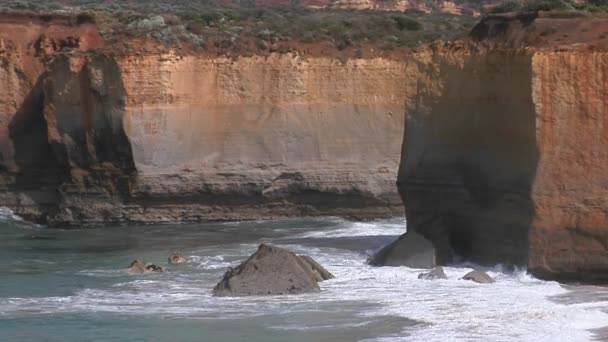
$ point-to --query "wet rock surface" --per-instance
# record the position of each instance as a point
(272, 271)
(176, 259)
(141, 267)
(137, 266)
(436, 273)
(479, 277)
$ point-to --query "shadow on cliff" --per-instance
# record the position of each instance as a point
(33, 169)
(470, 157)
(85, 119)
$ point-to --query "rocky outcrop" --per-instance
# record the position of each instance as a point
(505, 153)
(272, 271)
(90, 136)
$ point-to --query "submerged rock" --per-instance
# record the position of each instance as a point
(153, 268)
(141, 267)
(479, 277)
(137, 266)
(177, 258)
(436, 273)
(410, 249)
(272, 271)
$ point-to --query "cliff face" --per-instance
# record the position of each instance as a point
(569, 234)
(260, 137)
(505, 153)
(97, 138)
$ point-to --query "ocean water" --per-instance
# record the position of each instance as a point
(71, 285)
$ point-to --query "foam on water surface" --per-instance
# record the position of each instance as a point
(361, 303)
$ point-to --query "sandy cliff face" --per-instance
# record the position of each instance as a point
(258, 137)
(97, 138)
(505, 153)
(569, 233)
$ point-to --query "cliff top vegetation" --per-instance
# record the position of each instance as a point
(260, 26)
(242, 29)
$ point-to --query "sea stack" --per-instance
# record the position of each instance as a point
(505, 153)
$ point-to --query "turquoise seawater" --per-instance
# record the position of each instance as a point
(71, 285)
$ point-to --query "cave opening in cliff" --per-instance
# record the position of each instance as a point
(32, 152)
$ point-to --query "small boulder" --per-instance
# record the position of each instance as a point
(153, 268)
(272, 271)
(479, 277)
(137, 266)
(177, 258)
(436, 273)
(410, 249)
(141, 267)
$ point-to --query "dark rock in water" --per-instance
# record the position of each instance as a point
(177, 258)
(410, 249)
(153, 268)
(318, 270)
(141, 267)
(272, 271)
(479, 277)
(137, 266)
(436, 273)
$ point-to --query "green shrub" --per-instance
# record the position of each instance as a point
(229, 27)
(508, 6)
(405, 23)
(548, 5)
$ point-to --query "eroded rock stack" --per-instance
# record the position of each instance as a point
(505, 156)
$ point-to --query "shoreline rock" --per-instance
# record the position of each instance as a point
(479, 277)
(272, 271)
(434, 274)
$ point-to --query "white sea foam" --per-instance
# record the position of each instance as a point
(350, 229)
(515, 308)
(7, 215)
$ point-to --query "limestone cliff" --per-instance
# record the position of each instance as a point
(94, 137)
(505, 157)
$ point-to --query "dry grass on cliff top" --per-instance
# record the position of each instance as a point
(244, 30)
